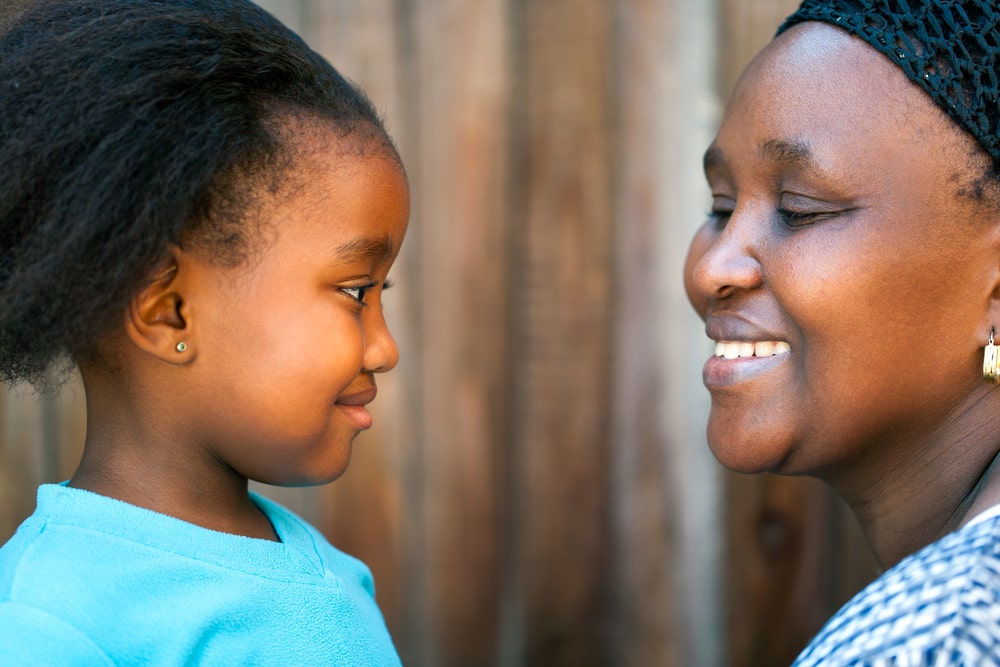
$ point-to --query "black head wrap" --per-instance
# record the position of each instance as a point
(950, 48)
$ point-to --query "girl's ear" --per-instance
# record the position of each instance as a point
(156, 322)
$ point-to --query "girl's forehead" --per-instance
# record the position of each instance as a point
(329, 216)
(341, 190)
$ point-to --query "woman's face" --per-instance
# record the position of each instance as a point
(846, 250)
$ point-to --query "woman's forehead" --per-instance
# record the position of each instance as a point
(815, 80)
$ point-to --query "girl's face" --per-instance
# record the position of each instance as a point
(285, 347)
(844, 275)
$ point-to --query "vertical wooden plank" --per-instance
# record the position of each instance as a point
(646, 611)
(747, 26)
(795, 552)
(21, 457)
(64, 428)
(667, 509)
(561, 319)
(293, 13)
(795, 555)
(456, 100)
(41, 439)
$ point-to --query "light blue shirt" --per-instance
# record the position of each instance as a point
(89, 580)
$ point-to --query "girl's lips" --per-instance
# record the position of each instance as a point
(353, 406)
(720, 372)
(357, 414)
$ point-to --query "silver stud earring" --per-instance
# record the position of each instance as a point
(182, 346)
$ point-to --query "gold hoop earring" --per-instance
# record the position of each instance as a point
(991, 371)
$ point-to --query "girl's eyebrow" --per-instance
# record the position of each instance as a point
(365, 248)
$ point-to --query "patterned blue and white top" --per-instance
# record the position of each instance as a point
(939, 606)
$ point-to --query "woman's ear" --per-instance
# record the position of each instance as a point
(991, 245)
(156, 319)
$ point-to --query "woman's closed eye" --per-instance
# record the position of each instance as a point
(722, 209)
(719, 217)
(798, 211)
(799, 218)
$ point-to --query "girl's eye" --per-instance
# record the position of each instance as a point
(358, 292)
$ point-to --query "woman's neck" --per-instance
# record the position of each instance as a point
(941, 485)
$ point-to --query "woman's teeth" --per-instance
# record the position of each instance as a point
(765, 348)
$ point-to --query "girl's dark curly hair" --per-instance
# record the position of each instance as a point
(128, 125)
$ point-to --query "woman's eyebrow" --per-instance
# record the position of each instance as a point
(365, 248)
(791, 153)
(713, 158)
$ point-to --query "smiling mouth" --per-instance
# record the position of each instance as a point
(745, 349)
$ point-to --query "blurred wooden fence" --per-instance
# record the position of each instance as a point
(537, 490)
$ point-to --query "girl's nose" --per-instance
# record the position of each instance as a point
(381, 352)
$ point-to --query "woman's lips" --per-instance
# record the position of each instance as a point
(741, 349)
(738, 361)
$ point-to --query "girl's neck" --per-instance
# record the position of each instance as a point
(138, 456)
(206, 505)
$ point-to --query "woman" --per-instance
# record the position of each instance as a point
(849, 273)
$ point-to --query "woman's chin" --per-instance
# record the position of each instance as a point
(748, 456)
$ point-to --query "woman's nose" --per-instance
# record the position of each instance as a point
(722, 261)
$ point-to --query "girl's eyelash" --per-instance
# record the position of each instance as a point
(720, 218)
(358, 292)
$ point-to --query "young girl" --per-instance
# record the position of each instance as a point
(199, 213)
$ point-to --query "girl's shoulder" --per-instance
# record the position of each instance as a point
(31, 636)
(173, 586)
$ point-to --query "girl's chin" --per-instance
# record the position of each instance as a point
(315, 475)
